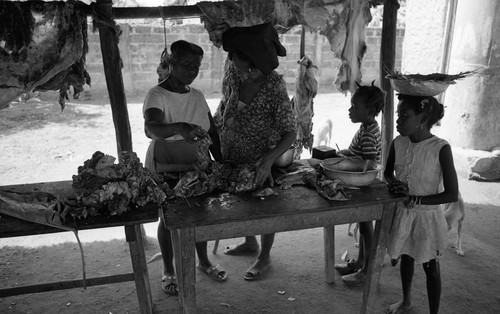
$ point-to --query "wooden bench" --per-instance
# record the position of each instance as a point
(222, 216)
(131, 220)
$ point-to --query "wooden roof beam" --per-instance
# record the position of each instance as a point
(168, 12)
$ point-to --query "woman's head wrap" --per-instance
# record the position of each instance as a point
(165, 67)
(260, 43)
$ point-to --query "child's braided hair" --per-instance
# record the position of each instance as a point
(432, 109)
(372, 96)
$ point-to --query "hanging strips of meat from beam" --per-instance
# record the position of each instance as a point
(42, 47)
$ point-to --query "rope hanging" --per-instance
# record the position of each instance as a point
(101, 18)
(165, 67)
(164, 26)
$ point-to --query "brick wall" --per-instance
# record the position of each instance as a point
(141, 47)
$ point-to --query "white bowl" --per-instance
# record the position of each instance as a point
(352, 177)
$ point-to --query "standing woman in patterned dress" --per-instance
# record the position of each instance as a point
(255, 117)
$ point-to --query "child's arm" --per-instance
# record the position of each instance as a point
(450, 181)
(345, 152)
(389, 165)
(395, 185)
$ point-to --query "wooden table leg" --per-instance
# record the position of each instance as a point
(380, 237)
(183, 241)
(133, 235)
(329, 240)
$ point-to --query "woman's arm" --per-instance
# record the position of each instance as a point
(264, 164)
(214, 136)
(157, 129)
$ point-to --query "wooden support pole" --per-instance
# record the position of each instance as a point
(387, 61)
(114, 79)
(329, 243)
(70, 284)
(133, 235)
(451, 12)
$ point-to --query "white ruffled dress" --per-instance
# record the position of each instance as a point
(420, 232)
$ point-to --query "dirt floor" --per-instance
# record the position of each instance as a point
(40, 143)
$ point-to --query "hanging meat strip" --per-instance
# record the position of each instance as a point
(306, 88)
(42, 47)
(342, 22)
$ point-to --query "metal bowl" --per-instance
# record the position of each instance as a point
(420, 88)
(351, 178)
(347, 163)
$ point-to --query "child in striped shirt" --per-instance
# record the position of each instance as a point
(366, 104)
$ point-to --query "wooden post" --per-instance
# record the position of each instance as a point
(387, 60)
(451, 12)
(133, 235)
(329, 242)
(377, 253)
(112, 62)
(112, 70)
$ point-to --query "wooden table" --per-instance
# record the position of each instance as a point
(131, 220)
(222, 216)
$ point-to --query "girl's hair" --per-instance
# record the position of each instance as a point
(177, 49)
(372, 96)
(432, 109)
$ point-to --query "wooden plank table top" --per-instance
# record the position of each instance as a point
(220, 216)
(131, 220)
(12, 227)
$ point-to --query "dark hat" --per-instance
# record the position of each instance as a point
(260, 43)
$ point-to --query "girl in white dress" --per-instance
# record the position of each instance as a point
(421, 166)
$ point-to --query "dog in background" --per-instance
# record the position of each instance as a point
(323, 134)
(455, 215)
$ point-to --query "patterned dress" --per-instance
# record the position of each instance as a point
(420, 232)
(247, 131)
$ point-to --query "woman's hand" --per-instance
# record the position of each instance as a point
(263, 171)
(192, 133)
(398, 187)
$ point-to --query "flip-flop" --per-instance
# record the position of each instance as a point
(215, 272)
(169, 285)
(254, 273)
(238, 249)
(347, 268)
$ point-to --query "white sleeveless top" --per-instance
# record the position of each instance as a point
(420, 232)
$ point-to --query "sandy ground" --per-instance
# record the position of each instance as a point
(44, 144)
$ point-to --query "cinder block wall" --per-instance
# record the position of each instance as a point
(141, 47)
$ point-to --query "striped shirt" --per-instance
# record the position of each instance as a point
(367, 142)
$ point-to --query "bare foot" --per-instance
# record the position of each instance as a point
(242, 249)
(397, 308)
